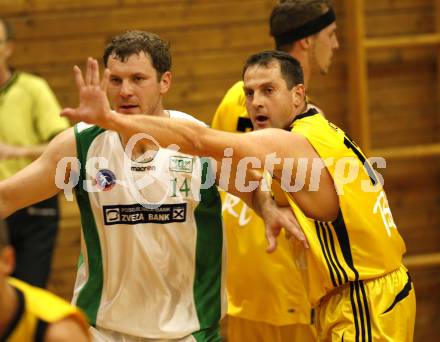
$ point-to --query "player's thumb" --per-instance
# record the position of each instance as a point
(68, 113)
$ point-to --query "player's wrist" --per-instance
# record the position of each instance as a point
(262, 202)
(111, 120)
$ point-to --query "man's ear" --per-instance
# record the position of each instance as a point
(165, 82)
(298, 95)
(7, 260)
(306, 42)
(9, 49)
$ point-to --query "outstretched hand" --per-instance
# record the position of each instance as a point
(277, 218)
(93, 105)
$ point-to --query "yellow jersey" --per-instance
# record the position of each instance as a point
(29, 116)
(363, 242)
(37, 308)
(261, 287)
(231, 115)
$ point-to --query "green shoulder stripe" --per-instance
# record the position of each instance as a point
(209, 247)
(90, 296)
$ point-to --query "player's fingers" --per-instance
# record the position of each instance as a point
(68, 113)
(293, 228)
(95, 72)
(300, 236)
(79, 80)
(89, 71)
(271, 239)
(105, 80)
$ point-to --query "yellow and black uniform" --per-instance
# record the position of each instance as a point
(29, 116)
(266, 299)
(354, 265)
(231, 115)
(37, 309)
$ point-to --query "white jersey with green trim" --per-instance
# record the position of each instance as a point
(152, 248)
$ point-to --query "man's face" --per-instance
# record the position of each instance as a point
(5, 46)
(324, 44)
(268, 100)
(134, 87)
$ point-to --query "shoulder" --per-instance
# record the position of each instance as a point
(42, 303)
(174, 114)
(235, 95)
(82, 126)
(231, 109)
(31, 81)
(84, 129)
(312, 121)
(236, 91)
(33, 86)
(56, 312)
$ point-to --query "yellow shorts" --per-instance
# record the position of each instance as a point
(243, 330)
(381, 309)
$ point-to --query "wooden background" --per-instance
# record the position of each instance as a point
(209, 41)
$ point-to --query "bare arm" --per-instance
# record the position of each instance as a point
(36, 182)
(12, 152)
(66, 330)
(194, 139)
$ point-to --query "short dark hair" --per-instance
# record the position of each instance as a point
(135, 42)
(290, 68)
(9, 32)
(287, 15)
(4, 239)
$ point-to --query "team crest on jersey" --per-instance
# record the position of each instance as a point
(105, 180)
(181, 164)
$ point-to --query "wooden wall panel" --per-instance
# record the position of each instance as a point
(210, 41)
(426, 282)
(414, 199)
(403, 107)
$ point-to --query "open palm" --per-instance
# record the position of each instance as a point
(93, 105)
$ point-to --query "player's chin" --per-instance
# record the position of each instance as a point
(261, 125)
(129, 111)
(325, 68)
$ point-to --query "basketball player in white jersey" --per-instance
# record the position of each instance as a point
(152, 251)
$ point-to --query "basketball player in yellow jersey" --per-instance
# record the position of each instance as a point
(32, 314)
(276, 308)
(306, 30)
(353, 270)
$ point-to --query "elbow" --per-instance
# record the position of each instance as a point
(330, 214)
(330, 209)
(323, 214)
